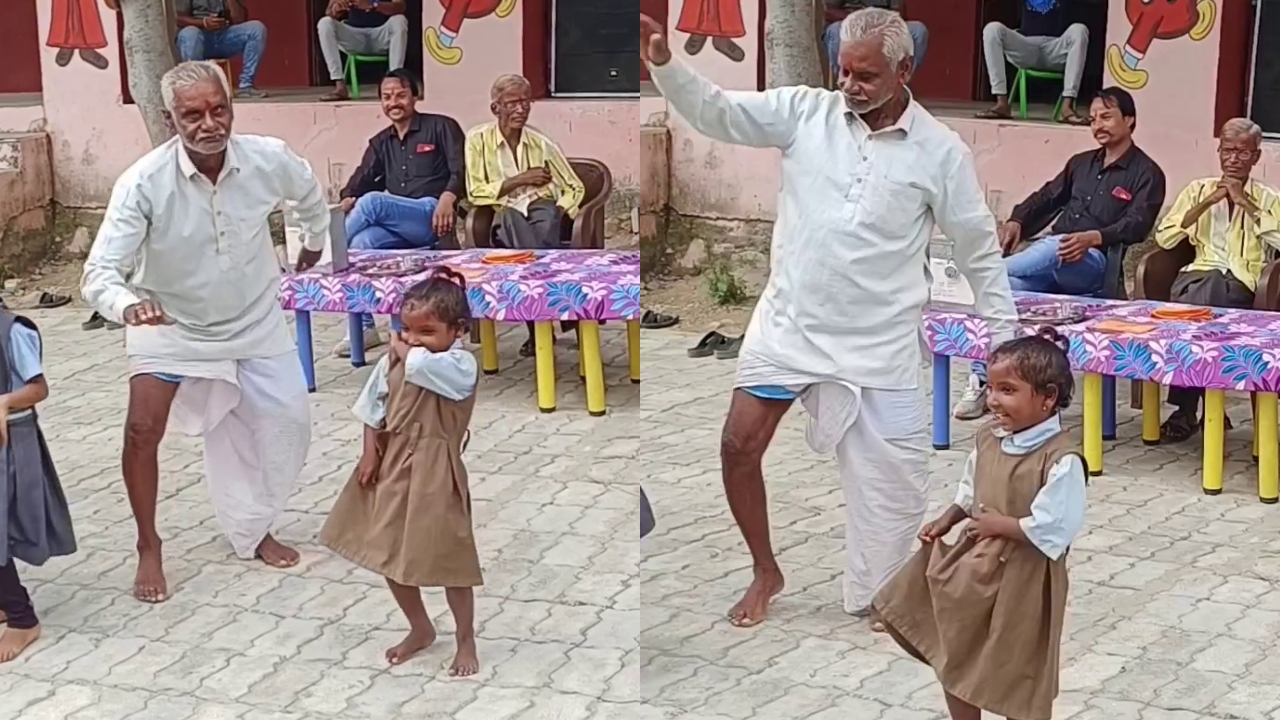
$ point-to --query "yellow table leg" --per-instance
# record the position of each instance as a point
(1253, 401)
(594, 367)
(1093, 422)
(1213, 437)
(582, 355)
(633, 349)
(1150, 413)
(488, 347)
(545, 353)
(1268, 449)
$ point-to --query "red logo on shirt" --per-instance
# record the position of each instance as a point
(1121, 194)
(425, 147)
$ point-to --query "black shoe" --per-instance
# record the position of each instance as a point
(95, 322)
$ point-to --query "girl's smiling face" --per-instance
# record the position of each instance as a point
(1014, 402)
(421, 328)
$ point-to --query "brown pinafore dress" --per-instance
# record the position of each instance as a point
(414, 525)
(988, 616)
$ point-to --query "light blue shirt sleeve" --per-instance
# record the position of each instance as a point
(371, 403)
(450, 374)
(24, 351)
(1057, 513)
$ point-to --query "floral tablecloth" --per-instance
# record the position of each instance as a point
(1237, 350)
(558, 285)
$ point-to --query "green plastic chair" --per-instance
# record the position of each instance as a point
(1020, 89)
(352, 71)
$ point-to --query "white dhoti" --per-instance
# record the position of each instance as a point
(255, 417)
(881, 440)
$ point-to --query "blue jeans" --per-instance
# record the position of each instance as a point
(247, 38)
(919, 38)
(1038, 269)
(382, 221)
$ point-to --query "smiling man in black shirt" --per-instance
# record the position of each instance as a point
(402, 196)
(1103, 201)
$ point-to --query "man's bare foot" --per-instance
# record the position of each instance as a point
(415, 642)
(271, 552)
(149, 585)
(466, 662)
(14, 641)
(752, 609)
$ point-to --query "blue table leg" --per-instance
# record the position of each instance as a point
(355, 333)
(306, 351)
(941, 402)
(1108, 407)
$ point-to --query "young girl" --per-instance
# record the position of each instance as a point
(987, 613)
(35, 524)
(406, 512)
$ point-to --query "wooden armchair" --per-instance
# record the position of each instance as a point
(584, 232)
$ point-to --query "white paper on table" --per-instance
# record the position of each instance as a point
(946, 289)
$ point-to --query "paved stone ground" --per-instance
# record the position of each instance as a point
(554, 502)
(1174, 611)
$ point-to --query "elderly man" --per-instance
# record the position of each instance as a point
(1231, 220)
(865, 173)
(361, 27)
(221, 30)
(522, 173)
(184, 259)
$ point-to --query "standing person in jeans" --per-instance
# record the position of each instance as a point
(361, 27)
(221, 30)
(1043, 41)
(403, 194)
(1102, 198)
(835, 12)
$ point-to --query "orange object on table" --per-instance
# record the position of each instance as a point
(1185, 314)
(1123, 327)
(509, 257)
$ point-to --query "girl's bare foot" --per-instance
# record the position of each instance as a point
(752, 609)
(14, 641)
(465, 662)
(149, 584)
(415, 642)
(271, 552)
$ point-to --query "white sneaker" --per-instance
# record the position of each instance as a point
(372, 339)
(973, 404)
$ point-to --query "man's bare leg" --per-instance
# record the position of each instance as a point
(277, 554)
(149, 401)
(421, 632)
(748, 429)
(961, 710)
(462, 603)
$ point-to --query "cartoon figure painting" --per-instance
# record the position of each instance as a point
(75, 28)
(1160, 20)
(719, 20)
(440, 41)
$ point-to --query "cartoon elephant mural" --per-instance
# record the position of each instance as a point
(1153, 20)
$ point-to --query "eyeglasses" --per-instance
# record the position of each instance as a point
(1236, 154)
(524, 103)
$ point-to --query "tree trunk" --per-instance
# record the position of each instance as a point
(790, 44)
(149, 52)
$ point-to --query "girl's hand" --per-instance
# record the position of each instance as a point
(934, 530)
(399, 346)
(986, 524)
(4, 420)
(367, 470)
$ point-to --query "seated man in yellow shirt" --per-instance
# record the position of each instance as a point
(521, 173)
(1230, 221)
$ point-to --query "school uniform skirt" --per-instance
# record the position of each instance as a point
(33, 509)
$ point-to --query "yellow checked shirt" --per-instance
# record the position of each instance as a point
(490, 162)
(1225, 238)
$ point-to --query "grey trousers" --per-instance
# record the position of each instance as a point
(1064, 54)
(539, 230)
(338, 37)
(1208, 288)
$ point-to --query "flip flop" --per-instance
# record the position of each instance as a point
(992, 115)
(1076, 120)
(708, 345)
(49, 300)
(657, 321)
(730, 349)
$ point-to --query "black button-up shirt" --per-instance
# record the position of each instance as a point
(1121, 201)
(426, 162)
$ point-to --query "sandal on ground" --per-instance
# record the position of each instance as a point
(1077, 120)
(49, 300)
(1178, 428)
(335, 96)
(657, 321)
(95, 322)
(708, 345)
(993, 114)
(730, 349)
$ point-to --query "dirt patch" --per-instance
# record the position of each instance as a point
(687, 298)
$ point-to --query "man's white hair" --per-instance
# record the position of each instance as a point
(887, 24)
(508, 82)
(1242, 129)
(189, 74)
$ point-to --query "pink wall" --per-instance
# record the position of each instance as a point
(1175, 126)
(95, 137)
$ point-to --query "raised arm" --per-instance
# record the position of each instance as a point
(1183, 219)
(450, 374)
(114, 254)
(960, 209)
(300, 188)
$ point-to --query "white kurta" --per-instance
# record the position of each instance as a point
(840, 319)
(203, 251)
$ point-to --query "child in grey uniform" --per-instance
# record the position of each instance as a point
(34, 521)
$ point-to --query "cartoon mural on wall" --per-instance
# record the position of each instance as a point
(1160, 20)
(440, 41)
(75, 28)
(719, 20)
